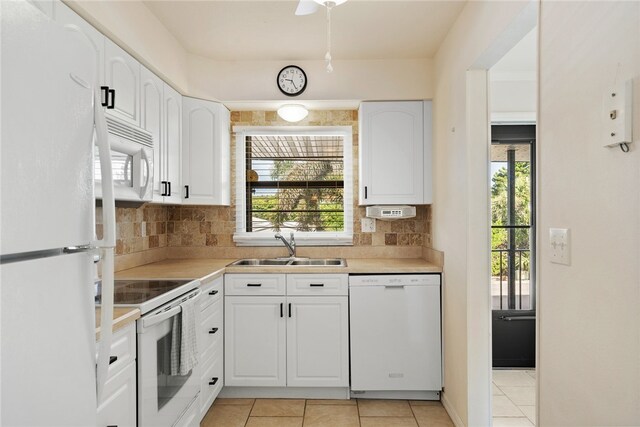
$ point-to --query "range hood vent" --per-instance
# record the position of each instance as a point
(390, 213)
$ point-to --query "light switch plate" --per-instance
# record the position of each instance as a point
(368, 225)
(560, 246)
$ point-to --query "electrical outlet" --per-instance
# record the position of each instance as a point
(560, 246)
(368, 225)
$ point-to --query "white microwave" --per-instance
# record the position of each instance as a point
(131, 162)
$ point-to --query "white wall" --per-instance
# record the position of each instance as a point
(480, 36)
(350, 80)
(589, 311)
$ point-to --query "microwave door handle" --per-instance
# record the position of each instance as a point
(107, 243)
(147, 166)
(158, 318)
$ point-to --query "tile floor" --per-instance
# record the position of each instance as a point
(325, 413)
(514, 397)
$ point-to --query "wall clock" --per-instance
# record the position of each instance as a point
(292, 80)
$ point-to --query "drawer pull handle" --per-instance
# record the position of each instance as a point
(289, 309)
(213, 381)
(213, 292)
(112, 359)
(317, 284)
(281, 314)
(254, 284)
(213, 330)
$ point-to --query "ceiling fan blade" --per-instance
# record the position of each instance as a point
(306, 7)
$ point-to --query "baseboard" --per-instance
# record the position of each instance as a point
(404, 395)
(285, 392)
(457, 421)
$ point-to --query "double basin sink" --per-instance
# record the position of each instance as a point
(282, 262)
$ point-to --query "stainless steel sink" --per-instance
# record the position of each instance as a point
(290, 262)
(254, 262)
(338, 262)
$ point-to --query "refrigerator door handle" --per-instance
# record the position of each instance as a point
(106, 245)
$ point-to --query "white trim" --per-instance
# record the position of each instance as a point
(457, 421)
(345, 238)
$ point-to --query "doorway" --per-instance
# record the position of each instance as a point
(512, 246)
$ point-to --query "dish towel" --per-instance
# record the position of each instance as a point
(184, 349)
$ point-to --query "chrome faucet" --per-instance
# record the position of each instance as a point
(291, 245)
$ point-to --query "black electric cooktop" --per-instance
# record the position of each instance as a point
(141, 292)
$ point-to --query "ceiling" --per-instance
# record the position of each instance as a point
(519, 64)
(269, 30)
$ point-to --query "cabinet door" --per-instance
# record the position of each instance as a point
(151, 102)
(122, 73)
(85, 31)
(172, 143)
(391, 153)
(45, 6)
(205, 147)
(317, 342)
(255, 353)
(119, 405)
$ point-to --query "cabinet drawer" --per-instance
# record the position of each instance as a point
(254, 284)
(123, 349)
(211, 329)
(211, 292)
(211, 382)
(317, 284)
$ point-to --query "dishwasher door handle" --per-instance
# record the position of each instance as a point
(394, 286)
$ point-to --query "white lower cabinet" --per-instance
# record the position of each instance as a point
(293, 341)
(118, 407)
(210, 342)
(255, 341)
(318, 342)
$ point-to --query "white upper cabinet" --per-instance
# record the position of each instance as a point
(151, 115)
(85, 31)
(206, 156)
(172, 144)
(45, 6)
(395, 153)
(122, 73)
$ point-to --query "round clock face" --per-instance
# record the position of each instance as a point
(292, 81)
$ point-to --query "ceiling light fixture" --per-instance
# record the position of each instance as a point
(292, 112)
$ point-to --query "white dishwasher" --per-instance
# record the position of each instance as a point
(395, 336)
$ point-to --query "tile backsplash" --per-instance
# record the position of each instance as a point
(207, 231)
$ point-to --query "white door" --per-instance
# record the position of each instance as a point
(255, 347)
(119, 405)
(172, 144)
(318, 341)
(46, 170)
(395, 337)
(48, 342)
(85, 31)
(151, 102)
(391, 153)
(205, 160)
(122, 73)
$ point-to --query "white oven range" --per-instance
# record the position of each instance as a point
(163, 396)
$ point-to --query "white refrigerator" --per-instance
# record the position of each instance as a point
(50, 125)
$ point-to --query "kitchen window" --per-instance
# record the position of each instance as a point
(294, 180)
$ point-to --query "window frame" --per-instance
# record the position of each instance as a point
(303, 238)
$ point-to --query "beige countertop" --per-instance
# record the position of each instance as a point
(211, 268)
(122, 316)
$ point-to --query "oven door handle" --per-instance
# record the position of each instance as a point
(160, 317)
(164, 315)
